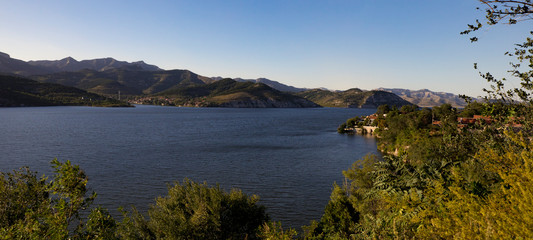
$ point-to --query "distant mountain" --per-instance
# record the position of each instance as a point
(102, 64)
(230, 93)
(352, 98)
(109, 76)
(18, 91)
(427, 98)
(13, 66)
(273, 84)
(129, 80)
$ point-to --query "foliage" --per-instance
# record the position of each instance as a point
(274, 231)
(504, 213)
(34, 208)
(509, 12)
(342, 128)
(196, 211)
(383, 109)
(449, 180)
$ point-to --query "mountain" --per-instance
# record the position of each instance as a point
(352, 98)
(129, 80)
(230, 93)
(273, 84)
(110, 76)
(13, 66)
(18, 91)
(102, 64)
(427, 98)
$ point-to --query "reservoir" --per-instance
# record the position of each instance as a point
(290, 158)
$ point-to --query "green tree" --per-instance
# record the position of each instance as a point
(504, 213)
(408, 108)
(34, 208)
(197, 211)
(274, 231)
(383, 109)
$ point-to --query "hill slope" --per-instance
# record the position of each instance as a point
(352, 98)
(131, 80)
(17, 91)
(230, 93)
(427, 98)
(271, 83)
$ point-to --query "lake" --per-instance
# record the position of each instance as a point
(289, 157)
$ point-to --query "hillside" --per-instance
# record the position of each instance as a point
(131, 80)
(352, 98)
(427, 98)
(17, 91)
(230, 93)
(271, 83)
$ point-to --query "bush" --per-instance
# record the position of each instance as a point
(197, 211)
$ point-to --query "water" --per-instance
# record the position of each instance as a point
(289, 157)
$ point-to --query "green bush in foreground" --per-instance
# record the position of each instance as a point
(197, 211)
(35, 208)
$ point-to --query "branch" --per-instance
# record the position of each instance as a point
(503, 2)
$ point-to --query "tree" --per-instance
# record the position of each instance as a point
(504, 213)
(509, 12)
(274, 231)
(502, 12)
(383, 109)
(408, 108)
(197, 211)
(35, 208)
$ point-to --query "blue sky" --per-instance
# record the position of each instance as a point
(337, 44)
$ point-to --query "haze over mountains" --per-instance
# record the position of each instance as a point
(109, 76)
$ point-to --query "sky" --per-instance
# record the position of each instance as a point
(335, 44)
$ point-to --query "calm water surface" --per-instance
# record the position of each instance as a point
(289, 157)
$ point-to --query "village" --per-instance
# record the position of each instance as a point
(371, 124)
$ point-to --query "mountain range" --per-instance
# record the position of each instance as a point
(68, 64)
(352, 98)
(111, 77)
(427, 98)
